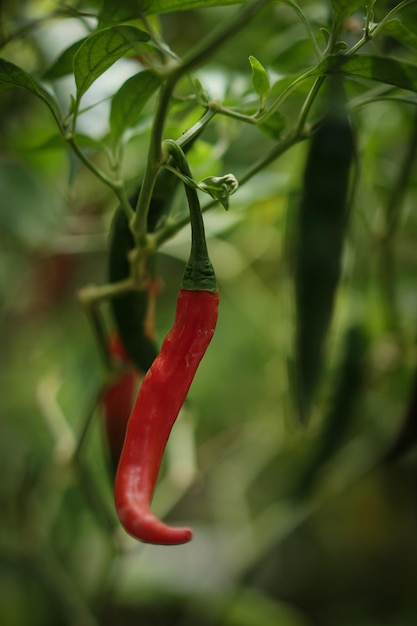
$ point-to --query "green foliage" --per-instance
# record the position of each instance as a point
(64, 64)
(382, 69)
(129, 9)
(344, 8)
(404, 34)
(128, 102)
(168, 6)
(13, 76)
(99, 51)
(111, 12)
(251, 608)
(260, 80)
(286, 515)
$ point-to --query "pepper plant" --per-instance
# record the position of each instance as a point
(286, 133)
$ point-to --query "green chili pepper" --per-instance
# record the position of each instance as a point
(130, 309)
(336, 423)
(322, 220)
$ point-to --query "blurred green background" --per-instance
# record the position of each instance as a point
(344, 554)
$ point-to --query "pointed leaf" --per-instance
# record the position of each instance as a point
(400, 32)
(13, 76)
(382, 69)
(167, 6)
(63, 65)
(260, 79)
(57, 142)
(101, 50)
(344, 8)
(129, 101)
(112, 12)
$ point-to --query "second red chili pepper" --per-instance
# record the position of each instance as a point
(165, 387)
(117, 400)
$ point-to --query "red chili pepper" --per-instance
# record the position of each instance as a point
(165, 387)
(117, 401)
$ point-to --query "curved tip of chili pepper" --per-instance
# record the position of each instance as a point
(150, 529)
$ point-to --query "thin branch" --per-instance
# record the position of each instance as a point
(220, 36)
(172, 227)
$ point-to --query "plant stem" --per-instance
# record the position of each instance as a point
(199, 273)
(139, 222)
(273, 154)
(284, 95)
(116, 186)
(197, 127)
(220, 35)
(90, 297)
(371, 31)
(307, 26)
(198, 243)
(309, 102)
(86, 423)
(375, 29)
(94, 293)
(174, 226)
(70, 139)
(195, 57)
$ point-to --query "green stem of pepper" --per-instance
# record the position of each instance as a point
(139, 221)
(179, 69)
(172, 227)
(199, 274)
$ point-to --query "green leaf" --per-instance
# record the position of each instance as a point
(101, 50)
(397, 30)
(28, 208)
(382, 69)
(129, 101)
(167, 6)
(274, 125)
(63, 65)
(112, 12)
(57, 142)
(13, 76)
(344, 8)
(260, 79)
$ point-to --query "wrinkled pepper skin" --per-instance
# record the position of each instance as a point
(159, 401)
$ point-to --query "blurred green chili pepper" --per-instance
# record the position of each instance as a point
(321, 226)
(336, 423)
